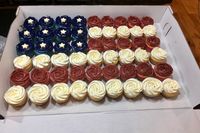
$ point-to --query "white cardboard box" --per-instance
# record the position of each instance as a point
(186, 71)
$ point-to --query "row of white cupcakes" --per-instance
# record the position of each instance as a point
(124, 56)
(121, 31)
(39, 94)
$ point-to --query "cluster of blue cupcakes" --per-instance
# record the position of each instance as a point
(48, 36)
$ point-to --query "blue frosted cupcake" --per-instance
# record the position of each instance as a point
(79, 33)
(79, 21)
(62, 47)
(26, 35)
(25, 47)
(63, 21)
(63, 34)
(43, 47)
(45, 34)
(79, 46)
(47, 22)
(30, 23)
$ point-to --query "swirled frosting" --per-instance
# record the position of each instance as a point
(60, 59)
(78, 90)
(126, 56)
(41, 61)
(110, 57)
(95, 32)
(149, 30)
(94, 57)
(114, 88)
(132, 88)
(159, 55)
(23, 62)
(141, 55)
(96, 90)
(16, 96)
(170, 87)
(136, 31)
(78, 59)
(60, 92)
(123, 32)
(39, 94)
(152, 87)
(109, 32)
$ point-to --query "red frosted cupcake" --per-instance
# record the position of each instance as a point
(93, 72)
(152, 42)
(138, 42)
(123, 43)
(110, 72)
(133, 21)
(20, 77)
(108, 44)
(144, 70)
(59, 75)
(119, 21)
(127, 71)
(77, 73)
(107, 21)
(95, 44)
(147, 21)
(40, 75)
(163, 71)
(94, 21)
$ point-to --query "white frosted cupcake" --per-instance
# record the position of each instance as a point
(114, 88)
(141, 55)
(42, 61)
(94, 57)
(110, 57)
(136, 31)
(126, 56)
(132, 88)
(95, 32)
(78, 59)
(158, 55)
(109, 32)
(123, 32)
(39, 94)
(170, 88)
(16, 96)
(96, 90)
(60, 59)
(78, 90)
(152, 87)
(149, 30)
(60, 92)
(23, 62)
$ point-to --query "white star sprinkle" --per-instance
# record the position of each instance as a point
(26, 33)
(62, 45)
(43, 45)
(79, 44)
(25, 46)
(80, 31)
(63, 31)
(79, 20)
(45, 31)
(46, 20)
(63, 20)
(30, 21)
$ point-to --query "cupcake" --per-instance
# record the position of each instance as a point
(152, 42)
(133, 21)
(59, 75)
(147, 21)
(25, 48)
(114, 88)
(30, 23)
(63, 34)
(78, 90)
(109, 32)
(127, 71)
(95, 32)
(78, 59)
(126, 56)
(23, 62)
(110, 72)
(62, 47)
(20, 77)
(60, 59)
(95, 44)
(136, 31)
(158, 55)
(79, 33)
(43, 47)
(138, 42)
(163, 71)
(40, 75)
(119, 21)
(94, 57)
(94, 21)
(45, 34)
(123, 43)
(63, 21)
(132, 88)
(123, 32)
(77, 73)
(96, 90)
(152, 87)
(42, 61)
(60, 93)
(107, 21)
(110, 57)
(26, 35)
(108, 44)
(16, 96)
(93, 72)
(79, 46)
(141, 55)
(79, 21)
(170, 88)
(144, 70)
(39, 94)
(47, 22)
(149, 30)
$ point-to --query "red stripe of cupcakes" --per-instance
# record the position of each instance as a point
(40, 75)
(123, 43)
(59, 75)
(93, 72)
(163, 71)
(144, 70)
(152, 42)
(77, 73)
(127, 71)
(95, 44)
(108, 44)
(147, 21)
(107, 21)
(94, 21)
(133, 21)
(119, 21)
(138, 42)
(110, 72)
